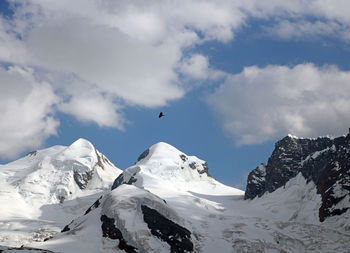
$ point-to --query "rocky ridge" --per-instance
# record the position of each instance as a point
(324, 161)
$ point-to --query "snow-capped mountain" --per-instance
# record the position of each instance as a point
(168, 202)
(59, 173)
(46, 188)
(324, 162)
(163, 165)
(160, 204)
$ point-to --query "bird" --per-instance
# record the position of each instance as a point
(160, 115)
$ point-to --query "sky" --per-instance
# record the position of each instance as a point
(231, 77)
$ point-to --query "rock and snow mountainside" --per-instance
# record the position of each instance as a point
(161, 204)
(168, 202)
(323, 161)
(47, 188)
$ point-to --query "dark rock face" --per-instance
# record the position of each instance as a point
(257, 182)
(285, 161)
(94, 206)
(324, 161)
(202, 169)
(183, 157)
(82, 179)
(176, 236)
(33, 153)
(120, 180)
(111, 231)
(143, 155)
(67, 228)
(205, 169)
(193, 165)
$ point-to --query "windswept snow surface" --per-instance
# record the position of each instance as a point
(47, 188)
(178, 187)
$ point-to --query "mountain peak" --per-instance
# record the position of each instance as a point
(81, 143)
(166, 163)
(160, 150)
(82, 151)
(58, 173)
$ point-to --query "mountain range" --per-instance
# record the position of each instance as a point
(74, 199)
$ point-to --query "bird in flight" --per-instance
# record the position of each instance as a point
(160, 115)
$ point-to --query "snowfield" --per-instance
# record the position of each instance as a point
(166, 202)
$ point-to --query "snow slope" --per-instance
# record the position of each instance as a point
(49, 187)
(167, 202)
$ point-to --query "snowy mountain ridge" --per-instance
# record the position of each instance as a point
(166, 202)
(323, 161)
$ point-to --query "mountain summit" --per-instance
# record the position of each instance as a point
(58, 173)
(164, 164)
(49, 187)
(78, 201)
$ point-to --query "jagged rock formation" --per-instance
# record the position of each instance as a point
(110, 230)
(179, 238)
(324, 161)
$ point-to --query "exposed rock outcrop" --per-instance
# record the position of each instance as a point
(179, 238)
(111, 231)
(325, 161)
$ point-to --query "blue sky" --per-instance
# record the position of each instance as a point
(231, 78)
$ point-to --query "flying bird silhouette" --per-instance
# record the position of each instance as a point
(160, 115)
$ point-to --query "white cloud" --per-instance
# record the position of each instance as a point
(11, 49)
(261, 104)
(132, 49)
(197, 67)
(129, 51)
(287, 29)
(301, 19)
(132, 52)
(120, 51)
(130, 69)
(26, 111)
(96, 109)
(88, 104)
(324, 9)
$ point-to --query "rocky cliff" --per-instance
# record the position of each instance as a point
(324, 161)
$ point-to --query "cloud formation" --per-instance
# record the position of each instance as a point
(197, 67)
(261, 104)
(88, 104)
(26, 109)
(135, 53)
